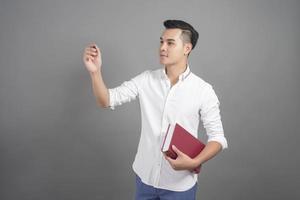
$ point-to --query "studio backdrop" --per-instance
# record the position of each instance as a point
(56, 143)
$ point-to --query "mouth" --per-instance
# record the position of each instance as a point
(162, 55)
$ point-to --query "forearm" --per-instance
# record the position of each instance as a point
(211, 149)
(99, 89)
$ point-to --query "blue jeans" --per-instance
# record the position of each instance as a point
(147, 192)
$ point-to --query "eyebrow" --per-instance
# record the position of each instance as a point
(167, 39)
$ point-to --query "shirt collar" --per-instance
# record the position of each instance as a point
(182, 76)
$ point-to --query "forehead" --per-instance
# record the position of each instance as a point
(173, 33)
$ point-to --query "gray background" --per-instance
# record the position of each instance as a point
(55, 143)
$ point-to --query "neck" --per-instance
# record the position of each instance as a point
(173, 71)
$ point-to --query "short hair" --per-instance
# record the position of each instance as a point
(189, 34)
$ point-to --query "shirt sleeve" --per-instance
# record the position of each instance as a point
(127, 91)
(211, 118)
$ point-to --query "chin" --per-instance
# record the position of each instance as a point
(163, 62)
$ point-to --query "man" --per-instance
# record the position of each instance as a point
(172, 94)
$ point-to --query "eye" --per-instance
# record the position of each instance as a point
(170, 43)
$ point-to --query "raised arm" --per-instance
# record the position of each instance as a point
(93, 62)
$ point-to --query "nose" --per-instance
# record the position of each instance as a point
(163, 47)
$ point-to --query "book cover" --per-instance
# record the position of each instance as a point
(183, 140)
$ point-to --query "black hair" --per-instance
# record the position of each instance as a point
(189, 34)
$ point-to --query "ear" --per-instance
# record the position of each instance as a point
(187, 48)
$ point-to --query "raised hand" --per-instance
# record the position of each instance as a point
(92, 58)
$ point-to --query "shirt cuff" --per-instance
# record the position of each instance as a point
(111, 104)
(220, 139)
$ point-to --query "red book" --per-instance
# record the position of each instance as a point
(184, 141)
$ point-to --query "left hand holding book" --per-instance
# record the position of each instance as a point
(182, 162)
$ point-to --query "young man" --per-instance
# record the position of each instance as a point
(172, 94)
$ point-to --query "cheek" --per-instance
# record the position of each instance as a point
(178, 50)
(178, 53)
(174, 50)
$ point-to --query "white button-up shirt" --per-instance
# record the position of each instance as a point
(186, 102)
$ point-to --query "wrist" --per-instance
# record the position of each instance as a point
(194, 164)
(197, 162)
(95, 73)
